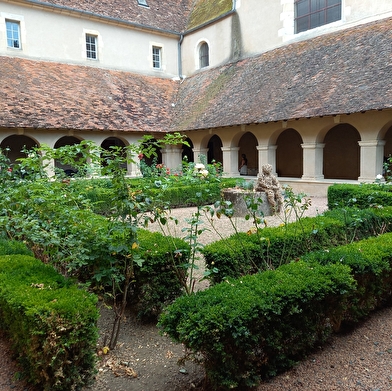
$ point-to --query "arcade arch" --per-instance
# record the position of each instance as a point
(214, 152)
(342, 153)
(16, 144)
(63, 141)
(187, 151)
(289, 154)
(248, 146)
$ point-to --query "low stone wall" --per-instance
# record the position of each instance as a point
(237, 198)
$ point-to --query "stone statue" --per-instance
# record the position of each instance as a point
(269, 184)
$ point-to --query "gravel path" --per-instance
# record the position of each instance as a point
(359, 360)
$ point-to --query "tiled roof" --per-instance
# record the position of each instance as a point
(171, 15)
(204, 11)
(344, 72)
(50, 95)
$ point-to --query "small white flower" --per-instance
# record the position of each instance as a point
(379, 177)
(199, 166)
(204, 172)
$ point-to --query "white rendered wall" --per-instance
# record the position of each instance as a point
(268, 24)
(218, 36)
(54, 36)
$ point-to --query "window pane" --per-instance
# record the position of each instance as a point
(302, 24)
(91, 46)
(156, 57)
(314, 13)
(316, 5)
(204, 55)
(13, 40)
(316, 19)
(302, 8)
(333, 14)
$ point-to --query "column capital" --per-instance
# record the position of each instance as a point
(372, 143)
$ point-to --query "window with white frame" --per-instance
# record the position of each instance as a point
(314, 13)
(13, 34)
(91, 46)
(204, 55)
(157, 57)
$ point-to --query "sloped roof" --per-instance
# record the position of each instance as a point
(170, 15)
(50, 95)
(204, 11)
(344, 72)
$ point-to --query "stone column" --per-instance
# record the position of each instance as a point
(133, 167)
(49, 165)
(197, 152)
(312, 161)
(172, 157)
(371, 159)
(267, 155)
(230, 161)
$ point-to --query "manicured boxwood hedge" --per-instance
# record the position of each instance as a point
(100, 192)
(156, 282)
(256, 326)
(51, 322)
(361, 196)
(249, 253)
(9, 247)
(370, 261)
(253, 327)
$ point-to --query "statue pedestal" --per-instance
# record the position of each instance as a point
(238, 196)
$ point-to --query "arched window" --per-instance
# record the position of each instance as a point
(204, 55)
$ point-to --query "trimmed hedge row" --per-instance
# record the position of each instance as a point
(156, 281)
(51, 323)
(9, 247)
(253, 327)
(361, 196)
(370, 261)
(243, 253)
(256, 326)
(100, 192)
(81, 243)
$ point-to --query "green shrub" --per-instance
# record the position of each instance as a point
(158, 280)
(361, 196)
(256, 326)
(243, 254)
(51, 323)
(178, 194)
(371, 263)
(9, 247)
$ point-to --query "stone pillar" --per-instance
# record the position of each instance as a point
(197, 152)
(312, 161)
(230, 161)
(133, 166)
(49, 165)
(172, 157)
(267, 155)
(371, 159)
(94, 162)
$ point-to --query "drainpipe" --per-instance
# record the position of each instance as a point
(180, 58)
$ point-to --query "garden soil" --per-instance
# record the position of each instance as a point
(146, 360)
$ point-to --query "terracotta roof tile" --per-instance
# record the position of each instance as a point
(50, 95)
(171, 15)
(344, 72)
